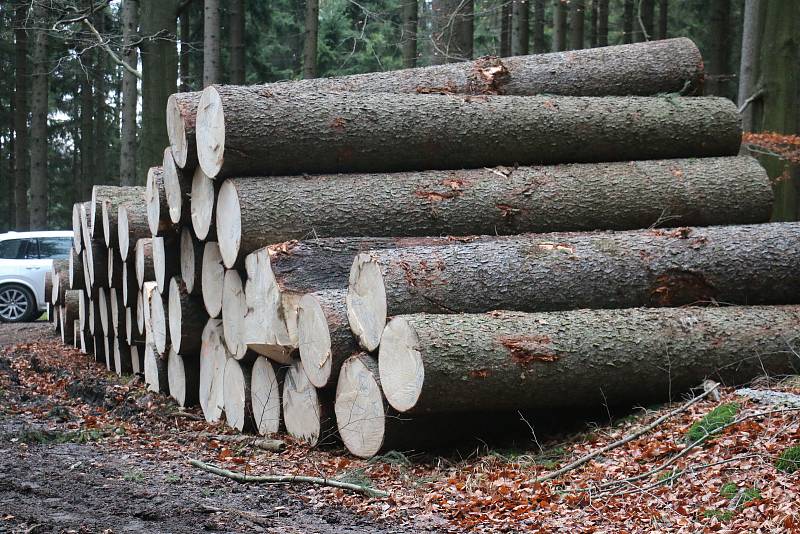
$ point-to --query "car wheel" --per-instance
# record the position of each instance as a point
(17, 304)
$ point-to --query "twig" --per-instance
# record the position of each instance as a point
(272, 445)
(110, 52)
(641, 22)
(644, 430)
(287, 479)
(750, 100)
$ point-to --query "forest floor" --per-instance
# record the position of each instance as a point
(83, 450)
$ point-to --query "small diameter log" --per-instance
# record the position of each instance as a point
(130, 285)
(122, 356)
(748, 264)
(132, 226)
(97, 262)
(158, 323)
(237, 396)
(68, 314)
(265, 388)
(165, 260)
(145, 270)
(75, 270)
(324, 336)
(255, 212)
(204, 194)
(233, 312)
(86, 229)
(213, 356)
(104, 310)
(187, 317)
(459, 363)
(191, 260)
(212, 275)
(77, 237)
(99, 194)
(155, 199)
(137, 358)
(114, 270)
(155, 370)
(101, 349)
(241, 132)
(117, 312)
(147, 324)
(59, 280)
(76, 334)
(361, 410)
(181, 112)
(177, 187)
(183, 377)
(110, 211)
(307, 412)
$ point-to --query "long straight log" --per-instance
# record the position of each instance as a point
(748, 264)
(177, 187)
(145, 270)
(666, 66)
(202, 212)
(255, 212)
(237, 396)
(191, 261)
(156, 200)
(582, 358)
(265, 388)
(165, 260)
(213, 356)
(132, 225)
(183, 373)
(244, 132)
(307, 411)
(110, 210)
(187, 317)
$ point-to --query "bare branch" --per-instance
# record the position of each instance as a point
(110, 52)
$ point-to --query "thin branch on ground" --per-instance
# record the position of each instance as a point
(272, 445)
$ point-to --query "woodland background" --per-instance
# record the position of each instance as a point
(88, 80)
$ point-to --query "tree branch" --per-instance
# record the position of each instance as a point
(755, 96)
(80, 18)
(110, 52)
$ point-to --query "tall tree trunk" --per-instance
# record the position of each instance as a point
(409, 33)
(465, 28)
(718, 66)
(539, 45)
(645, 21)
(102, 133)
(452, 30)
(506, 15)
(559, 26)
(752, 29)
(593, 22)
(602, 23)
(87, 136)
(211, 49)
(577, 10)
(311, 35)
(130, 95)
(21, 156)
(627, 21)
(185, 28)
(520, 33)
(663, 13)
(237, 74)
(39, 106)
(159, 75)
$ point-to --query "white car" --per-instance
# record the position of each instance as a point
(24, 258)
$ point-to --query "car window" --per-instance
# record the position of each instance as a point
(54, 247)
(9, 249)
(29, 250)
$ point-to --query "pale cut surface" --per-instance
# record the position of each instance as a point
(144, 258)
(234, 391)
(172, 186)
(212, 279)
(213, 356)
(160, 258)
(153, 369)
(187, 259)
(265, 397)
(152, 198)
(176, 377)
(176, 132)
(147, 290)
(102, 303)
(210, 131)
(314, 340)
(233, 311)
(360, 410)
(140, 306)
(115, 304)
(105, 206)
(129, 326)
(135, 360)
(174, 313)
(77, 241)
(402, 372)
(123, 235)
(301, 406)
(366, 302)
(158, 321)
(229, 223)
(87, 277)
(202, 208)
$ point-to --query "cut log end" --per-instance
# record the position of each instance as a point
(229, 223)
(176, 132)
(233, 312)
(210, 132)
(152, 198)
(160, 266)
(202, 208)
(265, 397)
(366, 302)
(106, 218)
(175, 314)
(172, 186)
(212, 279)
(360, 408)
(314, 341)
(77, 240)
(302, 410)
(158, 322)
(155, 370)
(187, 259)
(236, 393)
(144, 261)
(402, 372)
(182, 375)
(123, 235)
(213, 356)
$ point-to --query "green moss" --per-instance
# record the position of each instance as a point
(134, 476)
(789, 460)
(712, 422)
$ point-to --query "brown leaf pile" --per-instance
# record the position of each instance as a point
(786, 147)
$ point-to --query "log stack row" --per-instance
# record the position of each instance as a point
(371, 257)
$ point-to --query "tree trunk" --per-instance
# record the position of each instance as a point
(237, 56)
(87, 136)
(130, 95)
(310, 35)
(718, 64)
(627, 21)
(102, 131)
(731, 264)
(458, 363)
(752, 32)
(204, 197)
(39, 184)
(254, 212)
(602, 23)
(132, 225)
(307, 412)
(521, 28)
(187, 317)
(183, 376)
(213, 356)
(370, 133)
(560, 25)
(409, 33)
(185, 28)
(577, 16)
(156, 374)
(237, 396)
(539, 45)
(593, 23)
(645, 21)
(663, 17)
(506, 20)
(191, 259)
(452, 29)
(109, 210)
(211, 43)
(165, 261)
(177, 188)
(212, 275)
(266, 384)
(145, 271)
(21, 143)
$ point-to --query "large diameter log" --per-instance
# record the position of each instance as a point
(243, 132)
(155, 199)
(233, 312)
(666, 66)
(191, 260)
(360, 407)
(213, 356)
(145, 270)
(132, 226)
(187, 317)
(202, 213)
(324, 336)
(165, 260)
(212, 276)
(255, 212)
(307, 412)
(75, 270)
(156, 374)
(110, 210)
(183, 374)
(177, 188)
(748, 264)
(104, 311)
(582, 358)
(265, 388)
(237, 395)
(158, 323)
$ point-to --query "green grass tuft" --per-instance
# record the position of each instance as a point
(134, 476)
(722, 515)
(712, 422)
(789, 460)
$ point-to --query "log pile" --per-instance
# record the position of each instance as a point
(370, 257)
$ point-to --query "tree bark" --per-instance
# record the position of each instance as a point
(237, 17)
(346, 132)
(602, 22)
(458, 363)
(191, 260)
(21, 143)
(409, 33)
(109, 209)
(594, 12)
(165, 261)
(187, 317)
(237, 395)
(213, 356)
(627, 21)
(69, 314)
(97, 263)
(39, 184)
(452, 29)
(506, 20)
(130, 286)
(752, 264)
(114, 271)
(752, 32)
(718, 64)
(307, 412)
(539, 45)
(521, 34)
(177, 188)
(310, 35)
(577, 17)
(663, 18)
(256, 212)
(75, 270)
(132, 225)
(122, 356)
(559, 25)
(266, 385)
(145, 271)
(211, 43)
(183, 376)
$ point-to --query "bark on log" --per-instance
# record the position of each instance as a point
(158, 323)
(243, 132)
(237, 395)
(156, 200)
(187, 317)
(177, 187)
(213, 356)
(86, 341)
(452, 363)
(59, 280)
(122, 356)
(97, 263)
(191, 260)
(76, 334)
(748, 264)
(324, 336)
(155, 370)
(114, 270)
(69, 314)
(132, 226)
(183, 377)
(100, 348)
(117, 312)
(181, 112)
(233, 312)
(110, 211)
(104, 310)
(212, 275)
(95, 219)
(86, 231)
(204, 195)
(256, 212)
(130, 286)
(77, 236)
(307, 411)
(75, 270)
(137, 358)
(265, 387)
(145, 270)
(146, 323)
(165, 260)
(86, 276)
(48, 286)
